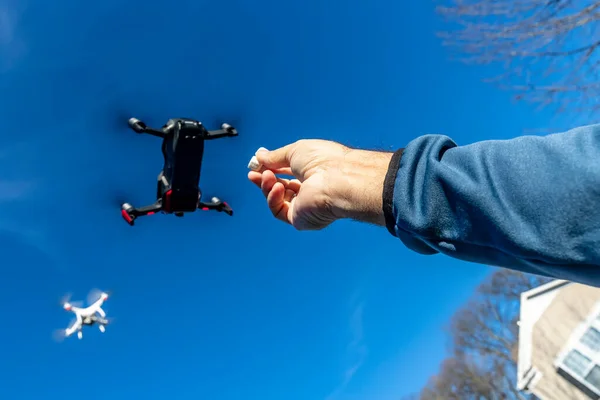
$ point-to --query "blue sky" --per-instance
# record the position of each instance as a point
(209, 306)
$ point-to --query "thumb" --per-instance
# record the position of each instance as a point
(275, 159)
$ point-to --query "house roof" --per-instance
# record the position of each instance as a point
(534, 303)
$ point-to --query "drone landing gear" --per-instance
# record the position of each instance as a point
(216, 204)
(129, 213)
(102, 328)
(79, 335)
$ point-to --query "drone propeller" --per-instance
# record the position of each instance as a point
(95, 294)
(116, 199)
(67, 299)
(110, 201)
(217, 121)
(59, 335)
(119, 107)
(119, 121)
(111, 198)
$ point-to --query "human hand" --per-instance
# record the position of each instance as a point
(331, 181)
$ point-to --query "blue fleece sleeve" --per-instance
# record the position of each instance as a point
(530, 203)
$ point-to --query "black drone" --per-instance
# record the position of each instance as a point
(178, 188)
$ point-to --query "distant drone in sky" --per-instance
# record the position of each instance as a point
(178, 188)
(90, 315)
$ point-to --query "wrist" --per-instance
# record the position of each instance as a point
(359, 192)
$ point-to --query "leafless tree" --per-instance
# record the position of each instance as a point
(548, 48)
(483, 343)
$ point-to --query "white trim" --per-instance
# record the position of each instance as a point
(546, 287)
(533, 387)
(574, 343)
(530, 380)
(533, 303)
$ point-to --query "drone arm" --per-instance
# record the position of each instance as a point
(216, 134)
(147, 210)
(76, 325)
(129, 213)
(225, 131)
(101, 312)
(155, 132)
(216, 205)
(140, 127)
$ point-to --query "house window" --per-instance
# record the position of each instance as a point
(591, 338)
(577, 362)
(582, 358)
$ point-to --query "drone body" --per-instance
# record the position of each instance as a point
(87, 316)
(178, 188)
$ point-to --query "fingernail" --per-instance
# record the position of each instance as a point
(254, 164)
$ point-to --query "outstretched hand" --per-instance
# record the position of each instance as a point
(329, 181)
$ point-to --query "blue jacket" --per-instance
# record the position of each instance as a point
(530, 204)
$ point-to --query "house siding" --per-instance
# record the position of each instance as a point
(570, 308)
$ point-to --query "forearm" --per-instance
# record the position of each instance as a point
(361, 182)
(531, 203)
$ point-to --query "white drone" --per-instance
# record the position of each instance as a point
(90, 315)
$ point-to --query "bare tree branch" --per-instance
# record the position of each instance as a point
(549, 48)
(484, 342)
